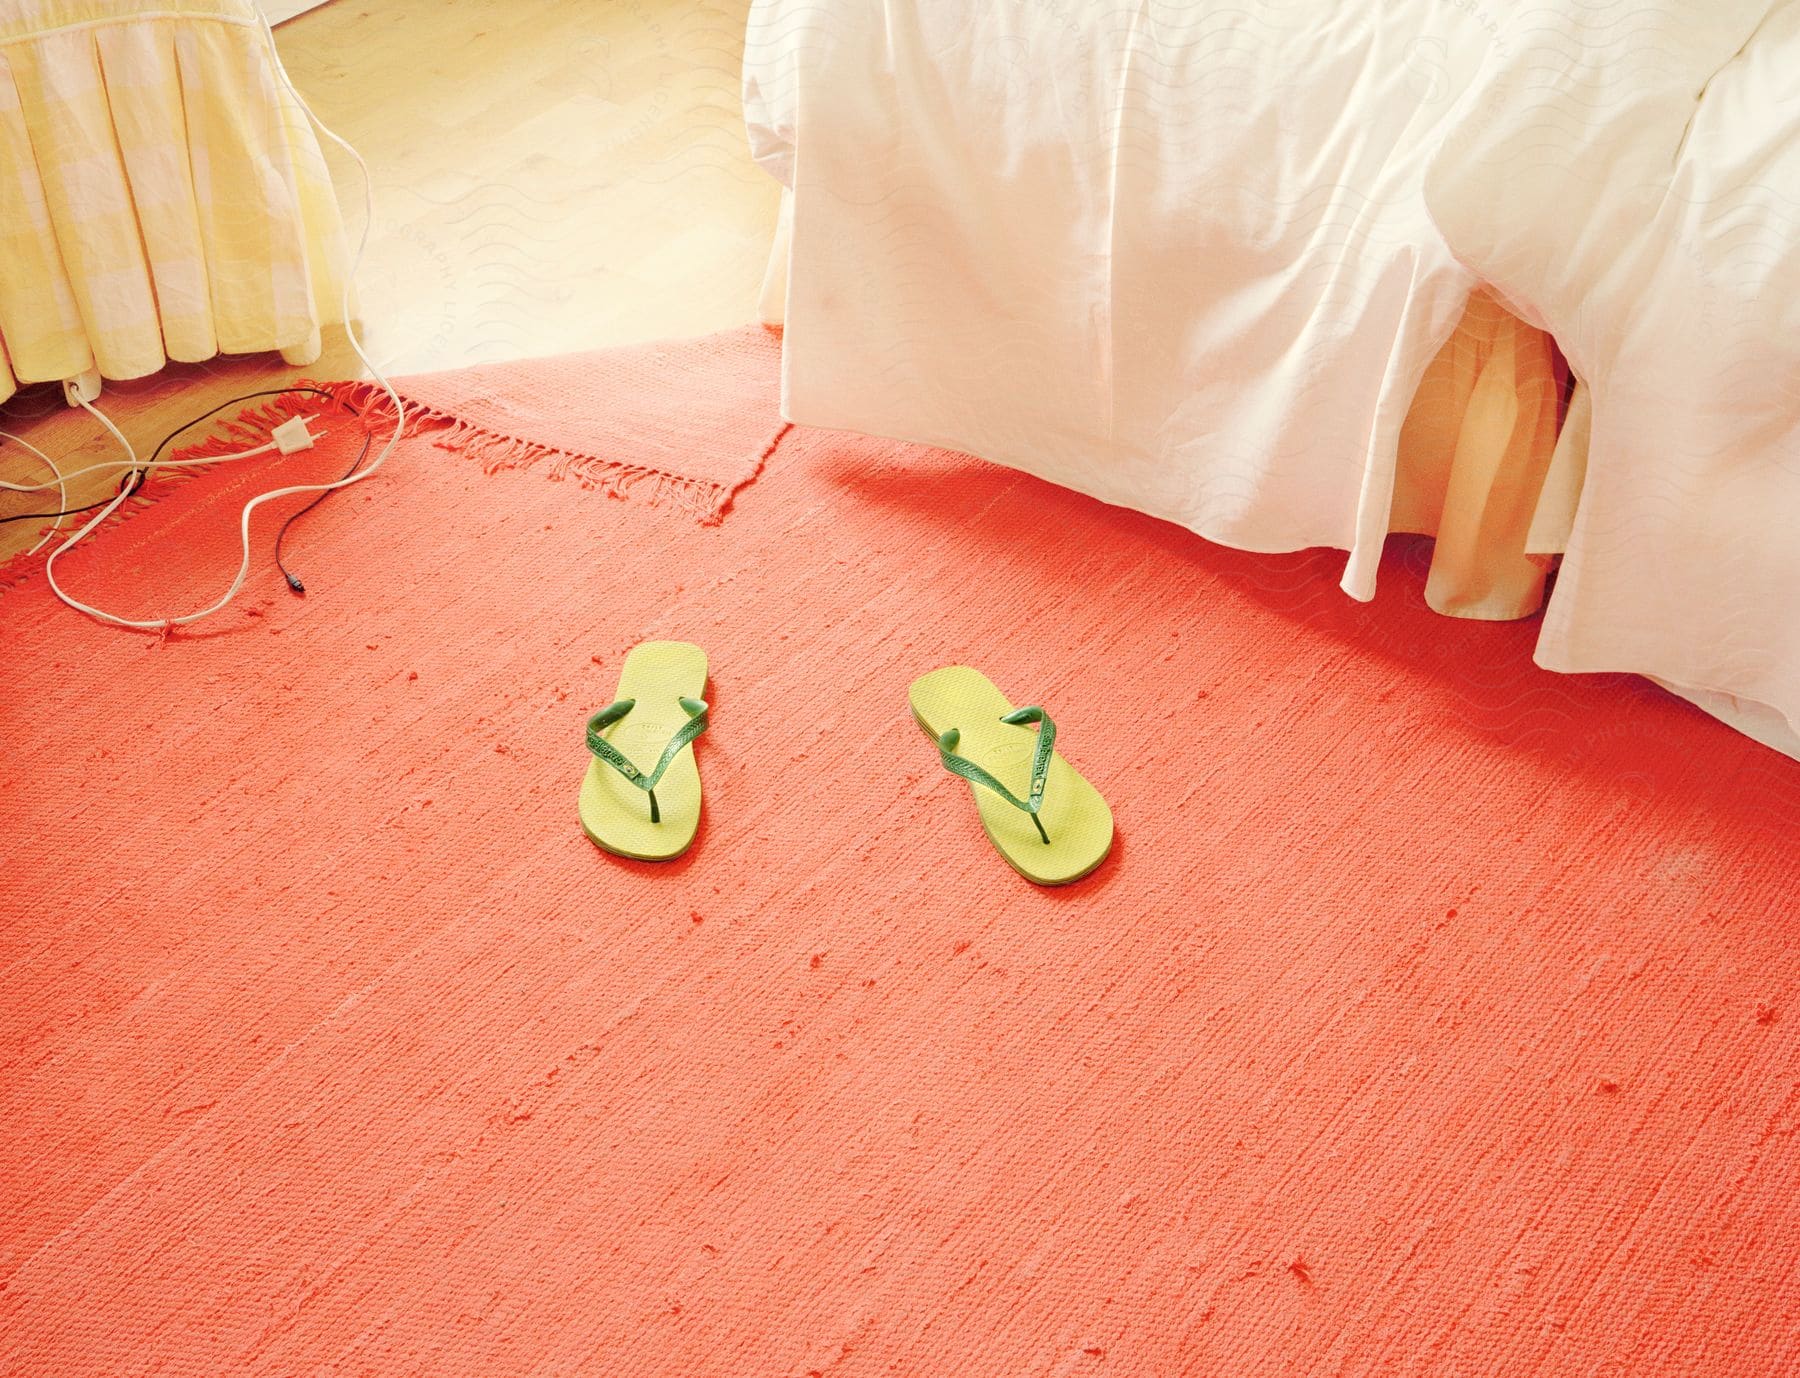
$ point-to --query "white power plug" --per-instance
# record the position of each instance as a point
(291, 436)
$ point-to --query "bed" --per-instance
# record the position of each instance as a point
(1296, 277)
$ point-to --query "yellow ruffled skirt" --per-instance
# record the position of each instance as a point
(162, 195)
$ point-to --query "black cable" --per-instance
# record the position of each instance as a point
(136, 478)
(281, 535)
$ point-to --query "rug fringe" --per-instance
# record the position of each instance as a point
(369, 404)
(498, 450)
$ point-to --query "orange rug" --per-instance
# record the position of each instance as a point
(1433, 1015)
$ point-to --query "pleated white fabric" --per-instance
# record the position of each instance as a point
(1224, 263)
(1174, 256)
(1651, 220)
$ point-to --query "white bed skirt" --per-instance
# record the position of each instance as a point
(1181, 259)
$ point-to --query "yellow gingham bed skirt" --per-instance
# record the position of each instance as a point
(162, 195)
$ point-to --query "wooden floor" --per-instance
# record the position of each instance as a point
(548, 177)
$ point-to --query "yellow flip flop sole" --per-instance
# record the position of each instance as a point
(641, 795)
(988, 742)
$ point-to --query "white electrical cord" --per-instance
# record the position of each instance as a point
(133, 462)
(60, 483)
(141, 465)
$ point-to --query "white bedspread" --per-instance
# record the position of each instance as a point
(1171, 255)
(1174, 255)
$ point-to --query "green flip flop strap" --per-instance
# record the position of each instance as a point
(696, 710)
(1040, 762)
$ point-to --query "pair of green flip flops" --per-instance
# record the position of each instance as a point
(641, 795)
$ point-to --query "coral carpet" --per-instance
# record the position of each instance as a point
(1433, 1015)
